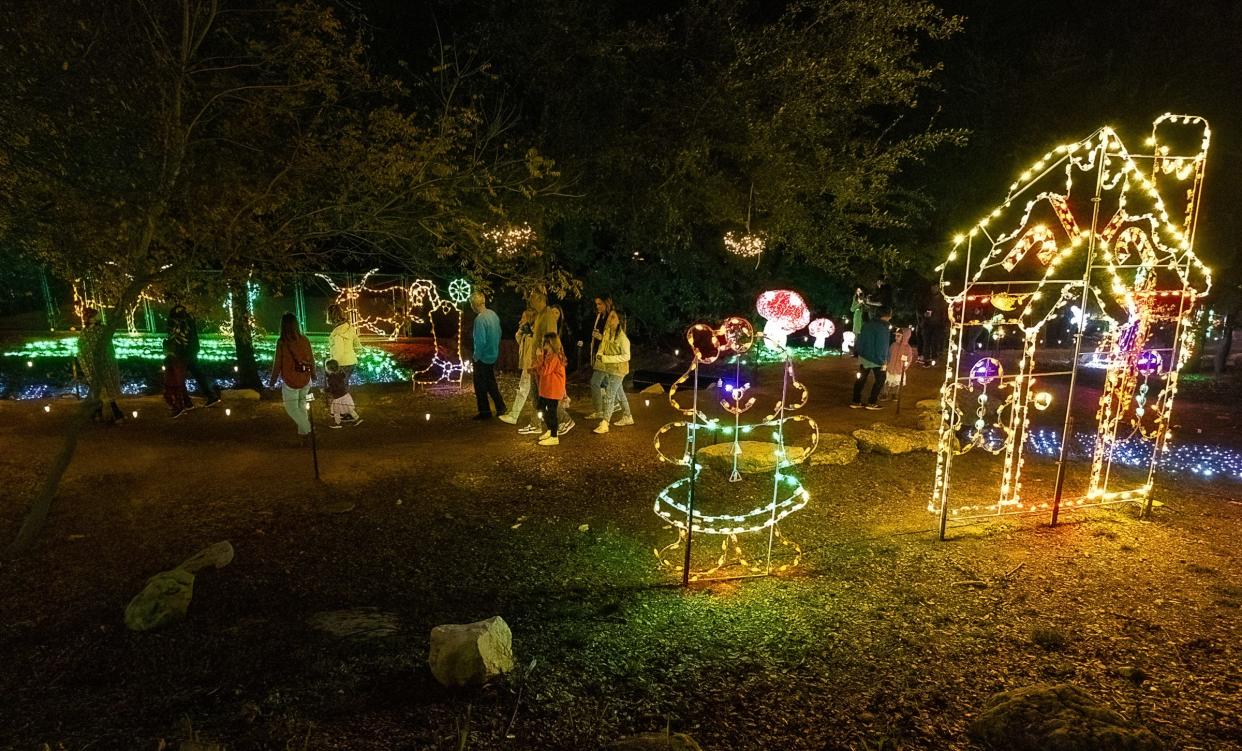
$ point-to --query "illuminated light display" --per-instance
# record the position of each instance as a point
(511, 241)
(821, 329)
(681, 503)
(395, 308)
(252, 296)
(785, 313)
(146, 350)
(1103, 244)
(85, 297)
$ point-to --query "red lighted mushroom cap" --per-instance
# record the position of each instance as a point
(785, 308)
(821, 327)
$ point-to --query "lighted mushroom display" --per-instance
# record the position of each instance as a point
(821, 329)
(785, 313)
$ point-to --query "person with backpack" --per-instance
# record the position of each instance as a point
(184, 328)
(873, 349)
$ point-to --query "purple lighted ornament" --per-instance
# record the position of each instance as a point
(986, 370)
(1149, 362)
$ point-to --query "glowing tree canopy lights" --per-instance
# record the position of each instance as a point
(785, 313)
(511, 241)
(692, 504)
(1086, 228)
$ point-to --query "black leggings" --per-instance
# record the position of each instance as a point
(548, 407)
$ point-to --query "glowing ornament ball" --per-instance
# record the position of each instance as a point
(821, 329)
(785, 312)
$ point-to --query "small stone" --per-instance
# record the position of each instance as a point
(471, 654)
(835, 448)
(654, 388)
(655, 742)
(1132, 674)
(217, 555)
(1056, 718)
(165, 599)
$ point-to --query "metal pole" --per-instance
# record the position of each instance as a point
(310, 417)
(694, 449)
(1082, 325)
(957, 367)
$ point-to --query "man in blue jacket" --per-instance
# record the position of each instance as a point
(486, 352)
(872, 348)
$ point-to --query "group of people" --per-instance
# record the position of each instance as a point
(293, 366)
(885, 356)
(542, 364)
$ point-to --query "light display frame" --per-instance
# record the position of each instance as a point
(1145, 258)
(414, 304)
(675, 503)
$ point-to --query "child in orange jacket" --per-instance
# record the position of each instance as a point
(550, 365)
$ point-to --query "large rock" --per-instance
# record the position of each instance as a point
(755, 457)
(928, 405)
(164, 600)
(929, 414)
(835, 448)
(1056, 718)
(217, 555)
(882, 438)
(471, 654)
(655, 742)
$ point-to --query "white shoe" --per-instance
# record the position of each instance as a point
(506, 417)
(550, 442)
(545, 435)
(529, 429)
(602, 427)
(562, 430)
(625, 420)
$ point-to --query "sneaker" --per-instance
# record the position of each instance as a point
(566, 428)
(874, 407)
(595, 416)
(545, 435)
(212, 402)
(179, 412)
(508, 418)
(601, 428)
(855, 406)
(336, 426)
(625, 420)
(550, 441)
(356, 421)
(530, 429)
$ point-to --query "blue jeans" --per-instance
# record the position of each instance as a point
(614, 396)
(295, 405)
(598, 379)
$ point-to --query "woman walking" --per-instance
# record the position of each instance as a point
(613, 360)
(603, 307)
(98, 362)
(294, 365)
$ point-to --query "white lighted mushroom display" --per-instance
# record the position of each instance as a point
(785, 313)
(821, 329)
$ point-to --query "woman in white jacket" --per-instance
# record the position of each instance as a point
(612, 358)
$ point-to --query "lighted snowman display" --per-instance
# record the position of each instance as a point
(742, 473)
